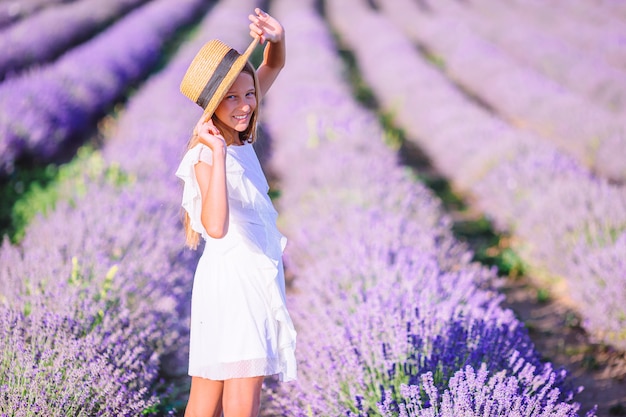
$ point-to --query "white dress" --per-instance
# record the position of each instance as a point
(240, 326)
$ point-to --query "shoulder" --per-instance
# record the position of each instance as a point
(202, 153)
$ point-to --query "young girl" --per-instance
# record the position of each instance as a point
(240, 328)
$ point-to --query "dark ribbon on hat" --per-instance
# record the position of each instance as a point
(216, 79)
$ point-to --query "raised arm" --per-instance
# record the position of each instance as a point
(268, 29)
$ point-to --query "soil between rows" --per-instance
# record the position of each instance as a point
(554, 328)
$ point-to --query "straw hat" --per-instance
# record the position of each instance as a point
(212, 72)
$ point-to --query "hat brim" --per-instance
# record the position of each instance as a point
(205, 82)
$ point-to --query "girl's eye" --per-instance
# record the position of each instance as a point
(250, 94)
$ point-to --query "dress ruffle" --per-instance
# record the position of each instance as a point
(192, 199)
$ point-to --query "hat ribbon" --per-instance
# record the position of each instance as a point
(217, 77)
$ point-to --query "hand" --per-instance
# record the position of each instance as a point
(265, 27)
(209, 135)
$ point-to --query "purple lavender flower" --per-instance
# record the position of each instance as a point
(94, 300)
(41, 38)
(522, 182)
(383, 295)
(14, 11)
(41, 111)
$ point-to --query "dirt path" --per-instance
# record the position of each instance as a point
(555, 330)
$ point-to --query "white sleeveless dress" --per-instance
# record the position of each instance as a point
(240, 326)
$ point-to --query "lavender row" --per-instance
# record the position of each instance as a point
(44, 110)
(569, 226)
(583, 71)
(599, 14)
(590, 133)
(590, 25)
(94, 305)
(387, 304)
(77, 339)
(616, 10)
(11, 11)
(41, 37)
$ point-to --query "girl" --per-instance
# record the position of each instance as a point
(240, 328)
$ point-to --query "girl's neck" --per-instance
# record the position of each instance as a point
(232, 138)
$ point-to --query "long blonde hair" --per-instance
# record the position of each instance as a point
(192, 238)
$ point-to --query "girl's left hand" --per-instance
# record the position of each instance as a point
(265, 27)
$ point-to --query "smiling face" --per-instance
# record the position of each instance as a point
(237, 106)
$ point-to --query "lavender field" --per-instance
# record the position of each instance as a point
(520, 109)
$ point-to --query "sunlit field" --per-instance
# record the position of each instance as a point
(432, 163)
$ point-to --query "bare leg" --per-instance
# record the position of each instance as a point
(205, 398)
(242, 397)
